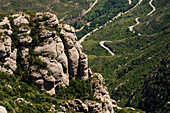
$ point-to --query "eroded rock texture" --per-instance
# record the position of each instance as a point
(52, 54)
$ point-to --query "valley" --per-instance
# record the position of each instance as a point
(114, 56)
(137, 52)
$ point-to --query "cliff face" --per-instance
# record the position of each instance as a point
(50, 52)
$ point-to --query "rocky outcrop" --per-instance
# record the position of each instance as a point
(25, 40)
(66, 54)
(51, 55)
(7, 57)
(5, 45)
(104, 105)
(5, 22)
(20, 20)
(53, 21)
(84, 66)
(76, 105)
(102, 93)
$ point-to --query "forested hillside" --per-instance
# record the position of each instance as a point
(137, 75)
(102, 13)
(63, 8)
(37, 50)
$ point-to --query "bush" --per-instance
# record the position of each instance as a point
(2, 95)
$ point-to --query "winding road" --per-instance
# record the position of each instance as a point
(114, 18)
(130, 27)
(90, 7)
(137, 22)
(150, 3)
(137, 19)
(134, 6)
(103, 46)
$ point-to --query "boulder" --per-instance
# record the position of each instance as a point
(68, 28)
(94, 107)
(25, 29)
(25, 40)
(76, 105)
(36, 75)
(12, 63)
(39, 15)
(101, 92)
(3, 109)
(40, 84)
(20, 100)
(47, 34)
(20, 20)
(25, 52)
(53, 21)
(13, 55)
(9, 71)
(5, 45)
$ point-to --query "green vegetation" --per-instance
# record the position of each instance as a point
(138, 73)
(128, 110)
(39, 100)
(19, 85)
(106, 10)
(64, 8)
(2, 15)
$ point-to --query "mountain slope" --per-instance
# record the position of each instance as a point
(140, 68)
(36, 50)
(63, 8)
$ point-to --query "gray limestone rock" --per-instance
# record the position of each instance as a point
(56, 70)
(78, 47)
(83, 66)
(53, 21)
(73, 58)
(59, 46)
(69, 34)
(68, 43)
(68, 28)
(47, 34)
(5, 45)
(25, 52)
(48, 48)
(3, 109)
(63, 56)
(25, 40)
(64, 62)
(11, 62)
(76, 105)
(40, 84)
(13, 54)
(20, 20)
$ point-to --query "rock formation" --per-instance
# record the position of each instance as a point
(104, 105)
(53, 55)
